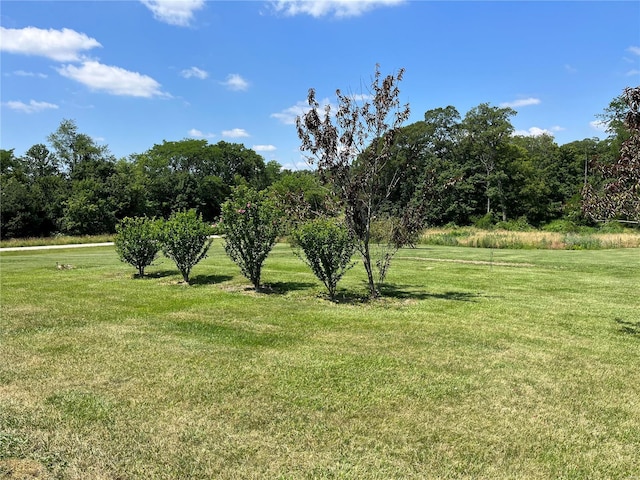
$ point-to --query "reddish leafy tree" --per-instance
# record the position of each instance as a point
(619, 195)
(353, 151)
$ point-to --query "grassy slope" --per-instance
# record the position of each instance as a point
(472, 370)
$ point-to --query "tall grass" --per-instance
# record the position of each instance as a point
(55, 240)
(473, 237)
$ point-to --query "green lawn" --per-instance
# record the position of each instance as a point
(519, 364)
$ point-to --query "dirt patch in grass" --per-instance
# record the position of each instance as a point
(22, 469)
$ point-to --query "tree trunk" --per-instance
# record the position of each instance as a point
(366, 259)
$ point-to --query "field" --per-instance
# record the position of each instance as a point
(477, 363)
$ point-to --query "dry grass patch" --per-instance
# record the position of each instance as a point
(472, 237)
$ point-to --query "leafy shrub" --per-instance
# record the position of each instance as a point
(250, 224)
(327, 248)
(448, 239)
(519, 225)
(561, 226)
(137, 241)
(612, 227)
(185, 240)
(485, 222)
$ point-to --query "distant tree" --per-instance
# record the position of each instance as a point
(613, 119)
(354, 151)
(185, 240)
(250, 224)
(327, 248)
(8, 161)
(78, 153)
(40, 162)
(487, 133)
(16, 211)
(137, 241)
(301, 197)
(192, 173)
(428, 152)
(618, 197)
(89, 209)
(32, 191)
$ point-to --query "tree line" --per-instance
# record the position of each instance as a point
(468, 168)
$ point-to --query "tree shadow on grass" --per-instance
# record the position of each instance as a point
(208, 279)
(397, 291)
(156, 274)
(629, 328)
(281, 288)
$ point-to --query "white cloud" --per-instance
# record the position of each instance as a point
(113, 80)
(522, 102)
(301, 163)
(338, 8)
(22, 73)
(570, 68)
(174, 12)
(634, 49)
(288, 115)
(264, 148)
(194, 72)
(194, 132)
(632, 73)
(61, 45)
(362, 97)
(534, 132)
(236, 82)
(235, 133)
(31, 107)
(599, 125)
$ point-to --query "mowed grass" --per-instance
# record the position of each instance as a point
(483, 364)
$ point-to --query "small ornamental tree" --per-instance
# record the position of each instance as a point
(185, 240)
(327, 248)
(250, 224)
(619, 195)
(137, 241)
(353, 149)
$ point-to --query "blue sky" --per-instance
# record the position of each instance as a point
(135, 73)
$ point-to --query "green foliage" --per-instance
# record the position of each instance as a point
(137, 241)
(327, 247)
(185, 240)
(519, 225)
(485, 222)
(612, 227)
(88, 209)
(561, 226)
(251, 224)
(575, 241)
(301, 197)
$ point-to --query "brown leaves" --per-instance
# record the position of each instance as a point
(620, 194)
